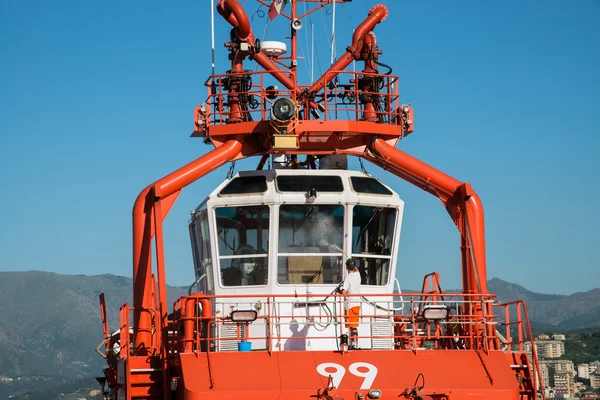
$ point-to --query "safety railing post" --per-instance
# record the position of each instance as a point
(519, 327)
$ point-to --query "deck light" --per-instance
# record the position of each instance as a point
(435, 312)
(283, 110)
(243, 315)
(374, 394)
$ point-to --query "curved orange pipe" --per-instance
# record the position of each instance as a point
(376, 15)
(404, 165)
(417, 169)
(142, 228)
(235, 14)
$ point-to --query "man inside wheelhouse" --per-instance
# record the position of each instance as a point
(243, 240)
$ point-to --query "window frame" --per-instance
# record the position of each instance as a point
(277, 254)
(388, 257)
(351, 186)
(218, 256)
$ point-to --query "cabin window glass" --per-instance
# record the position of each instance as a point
(310, 244)
(245, 185)
(304, 183)
(372, 241)
(207, 261)
(368, 186)
(243, 242)
(201, 250)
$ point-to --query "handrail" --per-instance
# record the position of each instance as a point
(340, 101)
(524, 335)
(408, 329)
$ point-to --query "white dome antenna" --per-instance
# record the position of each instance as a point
(273, 48)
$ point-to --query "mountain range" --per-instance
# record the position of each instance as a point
(50, 323)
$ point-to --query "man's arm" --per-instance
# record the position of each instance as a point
(345, 285)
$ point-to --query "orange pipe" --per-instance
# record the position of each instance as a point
(277, 73)
(142, 229)
(416, 169)
(376, 15)
(235, 14)
(475, 214)
(474, 269)
(188, 314)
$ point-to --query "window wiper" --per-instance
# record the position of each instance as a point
(225, 242)
(304, 218)
(362, 231)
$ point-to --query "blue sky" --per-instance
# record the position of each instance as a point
(96, 102)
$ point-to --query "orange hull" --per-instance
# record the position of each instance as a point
(453, 374)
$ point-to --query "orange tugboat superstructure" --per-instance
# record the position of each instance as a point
(264, 318)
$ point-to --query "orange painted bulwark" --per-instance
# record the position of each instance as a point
(458, 374)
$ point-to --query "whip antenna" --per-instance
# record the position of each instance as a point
(212, 34)
(333, 32)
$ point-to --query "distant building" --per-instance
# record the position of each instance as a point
(583, 371)
(550, 348)
(595, 380)
(559, 337)
(548, 367)
(543, 337)
(564, 383)
(594, 366)
(544, 375)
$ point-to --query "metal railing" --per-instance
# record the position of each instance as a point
(518, 338)
(461, 321)
(343, 99)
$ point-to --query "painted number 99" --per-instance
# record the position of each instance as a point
(360, 369)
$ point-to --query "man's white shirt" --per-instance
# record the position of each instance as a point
(352, 286)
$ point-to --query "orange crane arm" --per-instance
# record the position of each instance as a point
(143, 230)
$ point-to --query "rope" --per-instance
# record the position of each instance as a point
(231, 170)
(362, 166)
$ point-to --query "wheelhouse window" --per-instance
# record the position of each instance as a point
(372, 241)
(310, 244)
(201, 249)
(245, 185)
(304, 183)
(243, 243)
(369, 186)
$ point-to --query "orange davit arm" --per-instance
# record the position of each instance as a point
(461, 201)
(143, 229)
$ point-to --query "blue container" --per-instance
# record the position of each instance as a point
(244, 346)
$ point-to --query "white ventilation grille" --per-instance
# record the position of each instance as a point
(229, 333)
(382, 331)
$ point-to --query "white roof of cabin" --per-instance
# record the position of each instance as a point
(273, 196)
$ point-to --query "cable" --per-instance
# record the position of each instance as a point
(378, 306)
(385, 66)
(259, 13)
